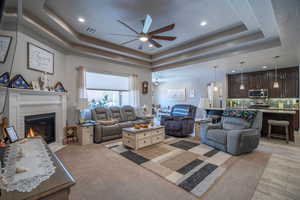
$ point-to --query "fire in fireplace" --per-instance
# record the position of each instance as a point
(41, 125)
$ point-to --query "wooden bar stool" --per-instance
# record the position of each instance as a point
(282, 124)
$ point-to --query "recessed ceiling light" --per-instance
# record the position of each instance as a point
(204, 23)
(264, 67)
(143, 38)
(80, 19)
(150, 45)
(233, 71)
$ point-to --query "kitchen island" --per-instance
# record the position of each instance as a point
(291, 115)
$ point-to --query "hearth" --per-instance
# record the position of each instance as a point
(41, 125)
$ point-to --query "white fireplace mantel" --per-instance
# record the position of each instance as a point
(24, 102)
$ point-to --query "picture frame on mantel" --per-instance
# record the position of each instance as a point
(5, 42)
(39, 59)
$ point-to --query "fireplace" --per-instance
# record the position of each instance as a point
(41, 125)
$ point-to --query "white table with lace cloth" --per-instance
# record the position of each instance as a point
(27, 163)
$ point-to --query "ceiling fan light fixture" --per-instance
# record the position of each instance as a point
(203, 23)
(81, 19)
(143, 38)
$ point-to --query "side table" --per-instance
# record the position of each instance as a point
(198, 123)
(86, 133)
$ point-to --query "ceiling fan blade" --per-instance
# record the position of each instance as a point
(147, 24)
(156, 44)
(128, 26)
(159, 37)
(125, 35)
(128, 41)
(163, 29)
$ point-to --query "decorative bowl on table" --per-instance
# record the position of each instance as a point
(137, 126)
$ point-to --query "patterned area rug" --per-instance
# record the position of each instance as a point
(191, 166)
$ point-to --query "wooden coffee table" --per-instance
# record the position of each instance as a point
(139, 138)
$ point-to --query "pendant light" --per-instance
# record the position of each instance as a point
(215, 82)
(242, 86)
(275, 84)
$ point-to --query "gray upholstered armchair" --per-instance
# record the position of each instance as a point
(238, 132)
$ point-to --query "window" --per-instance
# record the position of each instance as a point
(107, 90)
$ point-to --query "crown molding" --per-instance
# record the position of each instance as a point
(260, 45)
(210, 48)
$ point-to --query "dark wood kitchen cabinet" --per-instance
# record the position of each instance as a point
(257, 80)
(288, 79)
(234, 82)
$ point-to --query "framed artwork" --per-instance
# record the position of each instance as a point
(39, 59)
(5, 42)
(11, 133)
(59, 87)
(177, 94)
(4, 79)
(19, 82)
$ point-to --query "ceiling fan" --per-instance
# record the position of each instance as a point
(146, 36)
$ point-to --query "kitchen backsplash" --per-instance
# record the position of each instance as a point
(280, 103)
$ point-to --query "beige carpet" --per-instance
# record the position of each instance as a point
(103, 174)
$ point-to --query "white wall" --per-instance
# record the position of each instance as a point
(20, 65)
(65, 70)
(199, 84)
(99, 66)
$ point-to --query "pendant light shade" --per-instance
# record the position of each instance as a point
(215, 81)
(216, 88)
(242, 86)
(275, 84)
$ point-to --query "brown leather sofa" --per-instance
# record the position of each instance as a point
(111, 121)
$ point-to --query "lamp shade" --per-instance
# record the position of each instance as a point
(82, 104)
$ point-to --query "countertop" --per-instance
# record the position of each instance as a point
(270, 110)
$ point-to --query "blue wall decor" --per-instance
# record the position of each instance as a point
(4, 79)
(59, 87)
(19, 82)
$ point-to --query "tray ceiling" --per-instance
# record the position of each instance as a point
(186, 14)
(233, 27)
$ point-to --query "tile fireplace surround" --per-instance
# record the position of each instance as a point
(23, 102)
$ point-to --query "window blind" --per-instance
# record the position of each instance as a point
(106, 81)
